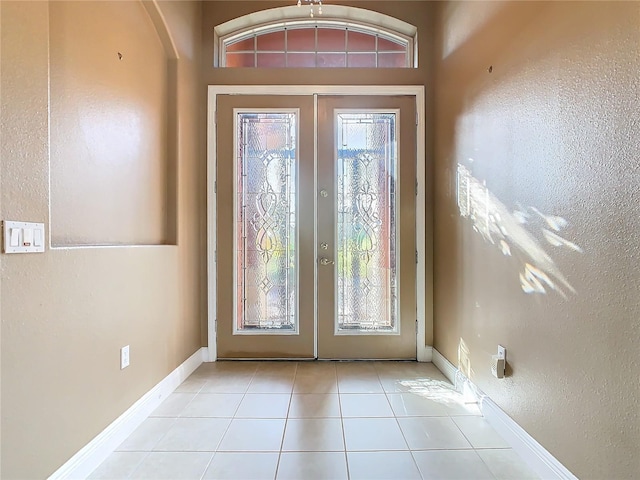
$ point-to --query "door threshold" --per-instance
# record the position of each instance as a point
(266, 359)
(307, 359)
(368, 359)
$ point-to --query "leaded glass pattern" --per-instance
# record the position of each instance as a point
(266, 269)
(366, 240)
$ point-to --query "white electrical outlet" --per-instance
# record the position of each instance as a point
(124, 357)
(499, 362)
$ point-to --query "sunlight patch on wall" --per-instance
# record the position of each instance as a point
(464, 358)
(461, 22)
(513, 234)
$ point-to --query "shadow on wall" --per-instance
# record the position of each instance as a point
(513, 234)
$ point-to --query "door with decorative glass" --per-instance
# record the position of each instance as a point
(316, 227)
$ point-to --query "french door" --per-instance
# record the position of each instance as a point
(315, 227)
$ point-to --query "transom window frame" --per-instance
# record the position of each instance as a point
(334, 17)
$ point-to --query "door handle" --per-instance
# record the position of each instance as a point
(326, 261)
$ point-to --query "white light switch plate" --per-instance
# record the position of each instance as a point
(22, 237)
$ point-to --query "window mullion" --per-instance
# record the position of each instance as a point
(356, 46)
(346, 47)
(315, 46)
(377, 53)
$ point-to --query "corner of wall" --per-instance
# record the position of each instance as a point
(535, 455)
(102, 445)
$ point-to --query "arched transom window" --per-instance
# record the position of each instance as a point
(318, 43)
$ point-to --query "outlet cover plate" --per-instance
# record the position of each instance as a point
(502, 352)
(124, 357)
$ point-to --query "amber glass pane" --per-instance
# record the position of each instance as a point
(240, 60)
(271, 41)
(360, 42)
(331, 60)
(392, 60)
(245, 45)
(385, 45)
(361, 60)
(271, 60)
(301, 40)
(301, 60)
(331, 40)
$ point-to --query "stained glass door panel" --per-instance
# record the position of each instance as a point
(366, 227)
(265, 258)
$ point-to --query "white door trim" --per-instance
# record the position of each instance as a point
(424, 255)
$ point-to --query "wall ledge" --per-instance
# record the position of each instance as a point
(532, 453)
(97, 450)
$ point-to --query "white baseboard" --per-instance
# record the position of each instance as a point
(534, 454)
(545, 465)
(97, 450)
(425, 353)
(445, 366)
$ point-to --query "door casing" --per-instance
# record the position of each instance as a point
(424, 269)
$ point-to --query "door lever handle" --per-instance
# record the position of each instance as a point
(326, 261)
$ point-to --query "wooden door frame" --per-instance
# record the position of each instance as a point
(424, 213)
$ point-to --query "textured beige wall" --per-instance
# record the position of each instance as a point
(109, 90)
(66, 313)
(417, 13)
(539, 102)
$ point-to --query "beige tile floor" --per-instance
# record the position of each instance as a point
(314, 420)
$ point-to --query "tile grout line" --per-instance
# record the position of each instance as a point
(255, 374)
(487, 465)
(204, 472)
(215, 452)
(135, 469)
(157, 441)
(475, 450)
(344, 436)
(463, 434)
(386, 394)
(286, 421)
(412, 451)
